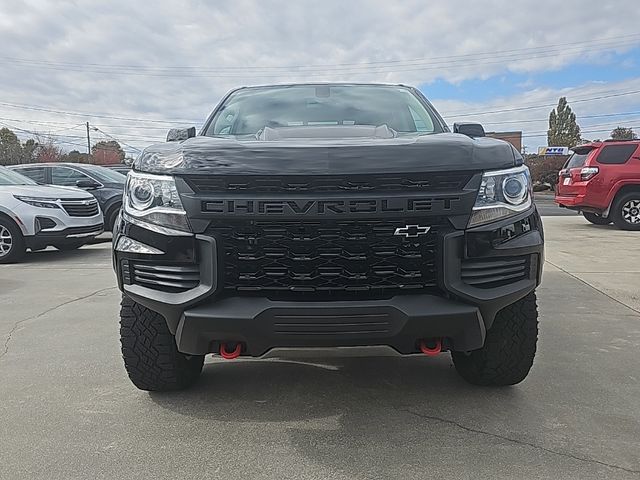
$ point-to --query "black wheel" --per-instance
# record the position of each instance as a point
(110, 218)
(626, 211)
(12, 246)
(509, 348)
(596, 219)
(69, 245)
(149, 351)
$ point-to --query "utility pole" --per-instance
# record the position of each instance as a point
(88, 141)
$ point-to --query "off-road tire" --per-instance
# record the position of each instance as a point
(149, 351)
(17, 249)
(617, 212)
(596, 219)
(509, 349)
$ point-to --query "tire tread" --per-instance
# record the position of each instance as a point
(149, 351)
(509, 349)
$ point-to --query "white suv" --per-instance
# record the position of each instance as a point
(37, 216)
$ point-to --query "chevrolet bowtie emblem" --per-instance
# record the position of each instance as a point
(411, 231)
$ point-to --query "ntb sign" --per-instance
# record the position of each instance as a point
(553, 150)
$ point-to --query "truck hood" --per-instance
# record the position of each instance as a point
(320, 156)
(46, 191)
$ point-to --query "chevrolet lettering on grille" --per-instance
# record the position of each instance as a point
(330, 207)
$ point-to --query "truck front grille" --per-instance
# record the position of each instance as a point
(310, 257)
(495, 272)
(408, 182)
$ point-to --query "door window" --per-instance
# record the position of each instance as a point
(34, 173)
(66, 177)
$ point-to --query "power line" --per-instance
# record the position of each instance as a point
(93, 115)
(119, 141)
(533, 107)
(324, 66)
(450, 61)
(38, 134)
(610, 125)
(605, 130)
(55, 133)
(611, 94)
(456, 64)
(580, 117)
(42, 122)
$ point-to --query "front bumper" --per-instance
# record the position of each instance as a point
(45, 238)
(460, 311)
(262, 324)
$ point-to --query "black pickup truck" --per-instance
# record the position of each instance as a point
(328, 215)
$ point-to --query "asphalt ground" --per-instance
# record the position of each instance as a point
(68, 411)
(547, 207)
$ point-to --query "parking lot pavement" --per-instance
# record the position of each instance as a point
(547, 207)
(68, 411)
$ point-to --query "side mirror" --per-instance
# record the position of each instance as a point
(87, 184)
(469, 129)
(180, 134)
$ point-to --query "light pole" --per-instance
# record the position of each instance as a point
(88, 141)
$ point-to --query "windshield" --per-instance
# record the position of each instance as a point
(249, 111)
(9, 177)
(105, 175)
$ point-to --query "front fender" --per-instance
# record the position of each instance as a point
(9, 213)
(112, 200)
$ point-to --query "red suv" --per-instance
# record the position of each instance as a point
(602, 180)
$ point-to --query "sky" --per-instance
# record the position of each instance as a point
(135, 69)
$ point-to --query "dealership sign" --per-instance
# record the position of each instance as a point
(553, 150)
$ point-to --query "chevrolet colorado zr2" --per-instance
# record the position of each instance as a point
(328, 215)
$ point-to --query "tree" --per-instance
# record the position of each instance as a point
(107, 153)
(29, 151)
(623, 133)
(48, 151)
(74, 156)
(10, 147)
(563, 128)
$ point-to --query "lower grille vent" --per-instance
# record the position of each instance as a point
(166, 278)
(496, 272)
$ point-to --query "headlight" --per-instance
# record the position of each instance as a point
(502, 194)
(154, 200)
(41, 202)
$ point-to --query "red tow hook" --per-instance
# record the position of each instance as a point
(431, 351)
(224, 353)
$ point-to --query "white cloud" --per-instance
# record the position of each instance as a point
(251, 42)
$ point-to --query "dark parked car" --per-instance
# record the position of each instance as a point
(120, 168)
(105, 184)
(322, 216)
